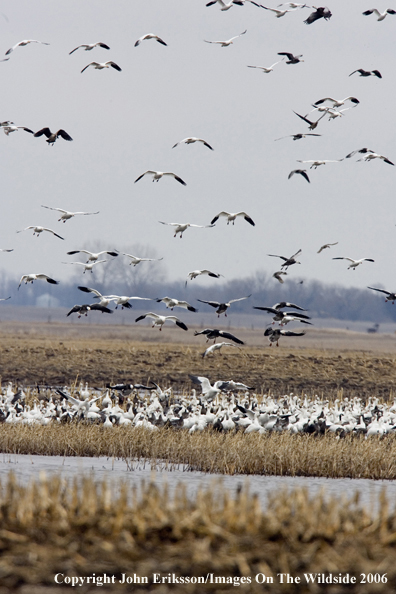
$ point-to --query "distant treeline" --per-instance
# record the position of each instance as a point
(322, 300)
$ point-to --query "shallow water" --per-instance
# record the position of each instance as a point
(28, 467)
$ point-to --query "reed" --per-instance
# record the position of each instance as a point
(237, 453)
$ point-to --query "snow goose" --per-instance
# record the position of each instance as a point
(279, 13)
(214, 333)
(23, 43)
(283, 304)
(52, 136)
(181, 227)
(315, 163)
(297, 136)
(366, 73)
(389, 296)
(216, 347)
(320, 13)
(90, 46)
(312, 125)
(380, 15)
(227, 42)
(210, 392)
(337, 102)
(287, 261)
(4, 250)
(354, 263)
(191, 140)
(267, 69)
(284, 317)
(302, 172)
(102, 65)
(158, 174)
(5, 298)
(291, 59)
(226, 5)
(150, 36)
(123, 300)
(194, 273)
(274, 334)
(325, 246)
(91, 255)
(8, 128)
(222, 307)
(231, 216)
(67, 214)
(160, 320)
(171, 303)
(103, 299)
(29, 278)
(135, 260)
(371, 155)
(278, 275)
(87, 265)
(84, 309)
(37, 230)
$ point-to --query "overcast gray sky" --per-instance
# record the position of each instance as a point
(124, 123)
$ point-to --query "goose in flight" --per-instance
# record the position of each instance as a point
(29, 278)
(366, 73)
(320, 13)
(297, 136)
(302, 172)
(231, 216)
(38, 230)
(274, 334)
(312, 125)
(171, 303)
(135, 260)
(222, 307)
(214, 333)
(84, 309)
(380, 15)
(22, 43)
(216, 347)
(371, 155)
(150, 36)
(181, 227)
(291, 58)
(210, 392)
(160, 320)
(283, 304)
(196, 273)
(103, 299)
(267, 69)
(279, 13)
(122, 300)
(228, 41)
(158, 174)
(389, 296)
(191, 140)
(67, 214)
(315, 163)
(227, 5)
(102, 65)
(354, 263)
(90, 46)
(287, 261)
(284, 317)
(337, 102)
(325, 246)
(9, 127)
(278, 275)
(87, 266)
(91, 255)
(52, 136)
(5, 298)
(6, 250)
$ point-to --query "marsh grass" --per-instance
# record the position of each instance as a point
(50, 526)
(270, 454)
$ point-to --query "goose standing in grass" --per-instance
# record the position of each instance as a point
(325, 246)
(320, 13)
(216, 347)
(171, 303)
(37, 230)
(274, 334)
(67, 214)
(302, 172)
(82, 310)
(191, 140)
(287, 261)
(227, 42)
(92, 256)
(87, 266)
(366, 73)
(214, 333)
(90, 46)
(181, 227)
(389, 296)
(52, 136)
(160, 320)
(380, 15)
(291, 59)
(102, 65)
(8, 128)
(150, 36)
(222, 307)
(30, 278)
(267, 69)
(354, 263)
(158, 174)
(231, 216)
(23, 43)
(135, 260)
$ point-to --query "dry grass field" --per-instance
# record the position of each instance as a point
(323, 362)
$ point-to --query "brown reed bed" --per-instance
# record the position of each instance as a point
(271, 454)
(50, 528)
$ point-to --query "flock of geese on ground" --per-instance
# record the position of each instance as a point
(225, 406)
